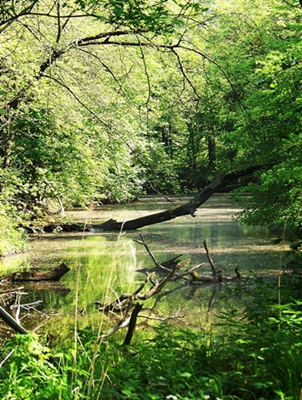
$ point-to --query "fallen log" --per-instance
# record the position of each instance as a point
(186, 209)
(12, 322)
(56, 227)
(29, 276)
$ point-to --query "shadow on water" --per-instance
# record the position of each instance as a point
(104, 265)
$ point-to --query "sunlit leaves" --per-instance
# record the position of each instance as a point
(169, 91)
(159, 16)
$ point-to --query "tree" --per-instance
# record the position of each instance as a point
(99, 98)
(267, 108)
(49, 50)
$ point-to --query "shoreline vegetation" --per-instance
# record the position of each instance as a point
(258, 355)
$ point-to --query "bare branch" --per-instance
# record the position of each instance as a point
(121, 324)
(58, 23)
(148, 250)
(174, 316)
(210, 259)
(109, 70)
(6, 358)
(212, 61)
(146, 72)
(189, 271)
(184, 74)
(78, 99)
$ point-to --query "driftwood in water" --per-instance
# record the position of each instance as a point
(211, 262)
(128, 301)
(29, 276)
(195, 277)
(190, 274)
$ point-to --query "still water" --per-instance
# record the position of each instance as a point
(105, 265)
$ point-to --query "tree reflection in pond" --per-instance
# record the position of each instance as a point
(104, 265)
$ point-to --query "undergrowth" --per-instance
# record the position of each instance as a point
(258, 356)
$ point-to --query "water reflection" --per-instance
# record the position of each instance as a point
(103, 266)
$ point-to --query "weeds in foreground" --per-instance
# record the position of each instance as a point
(259, 358)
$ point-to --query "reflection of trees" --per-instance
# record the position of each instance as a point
(128, 305)
(165, 279)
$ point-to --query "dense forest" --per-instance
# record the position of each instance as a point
(103, 101)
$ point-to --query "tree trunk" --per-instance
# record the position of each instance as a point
(185, 209)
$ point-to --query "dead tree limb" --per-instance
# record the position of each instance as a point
(142, 241)
(160, 284)
(10, 291)
(166, 265)
(188, 271)
(121, 324)
(29, 276)
(132, 323)
(126, 300)
(186, 209)
(174, 316)
(11, 322)
(211, 262)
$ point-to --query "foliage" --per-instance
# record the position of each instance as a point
(12, 237)
(261, 106)
(257, 354)
(103, 100)
(31, 372)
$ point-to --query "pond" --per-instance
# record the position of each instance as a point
(105, 265)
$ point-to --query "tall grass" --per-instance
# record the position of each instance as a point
(256, 355)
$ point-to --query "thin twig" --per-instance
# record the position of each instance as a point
(163, 319)
(7, 357)
(147, 248)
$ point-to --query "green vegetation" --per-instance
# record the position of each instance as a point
(12, 238)
(106, 100)
(258, 356)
